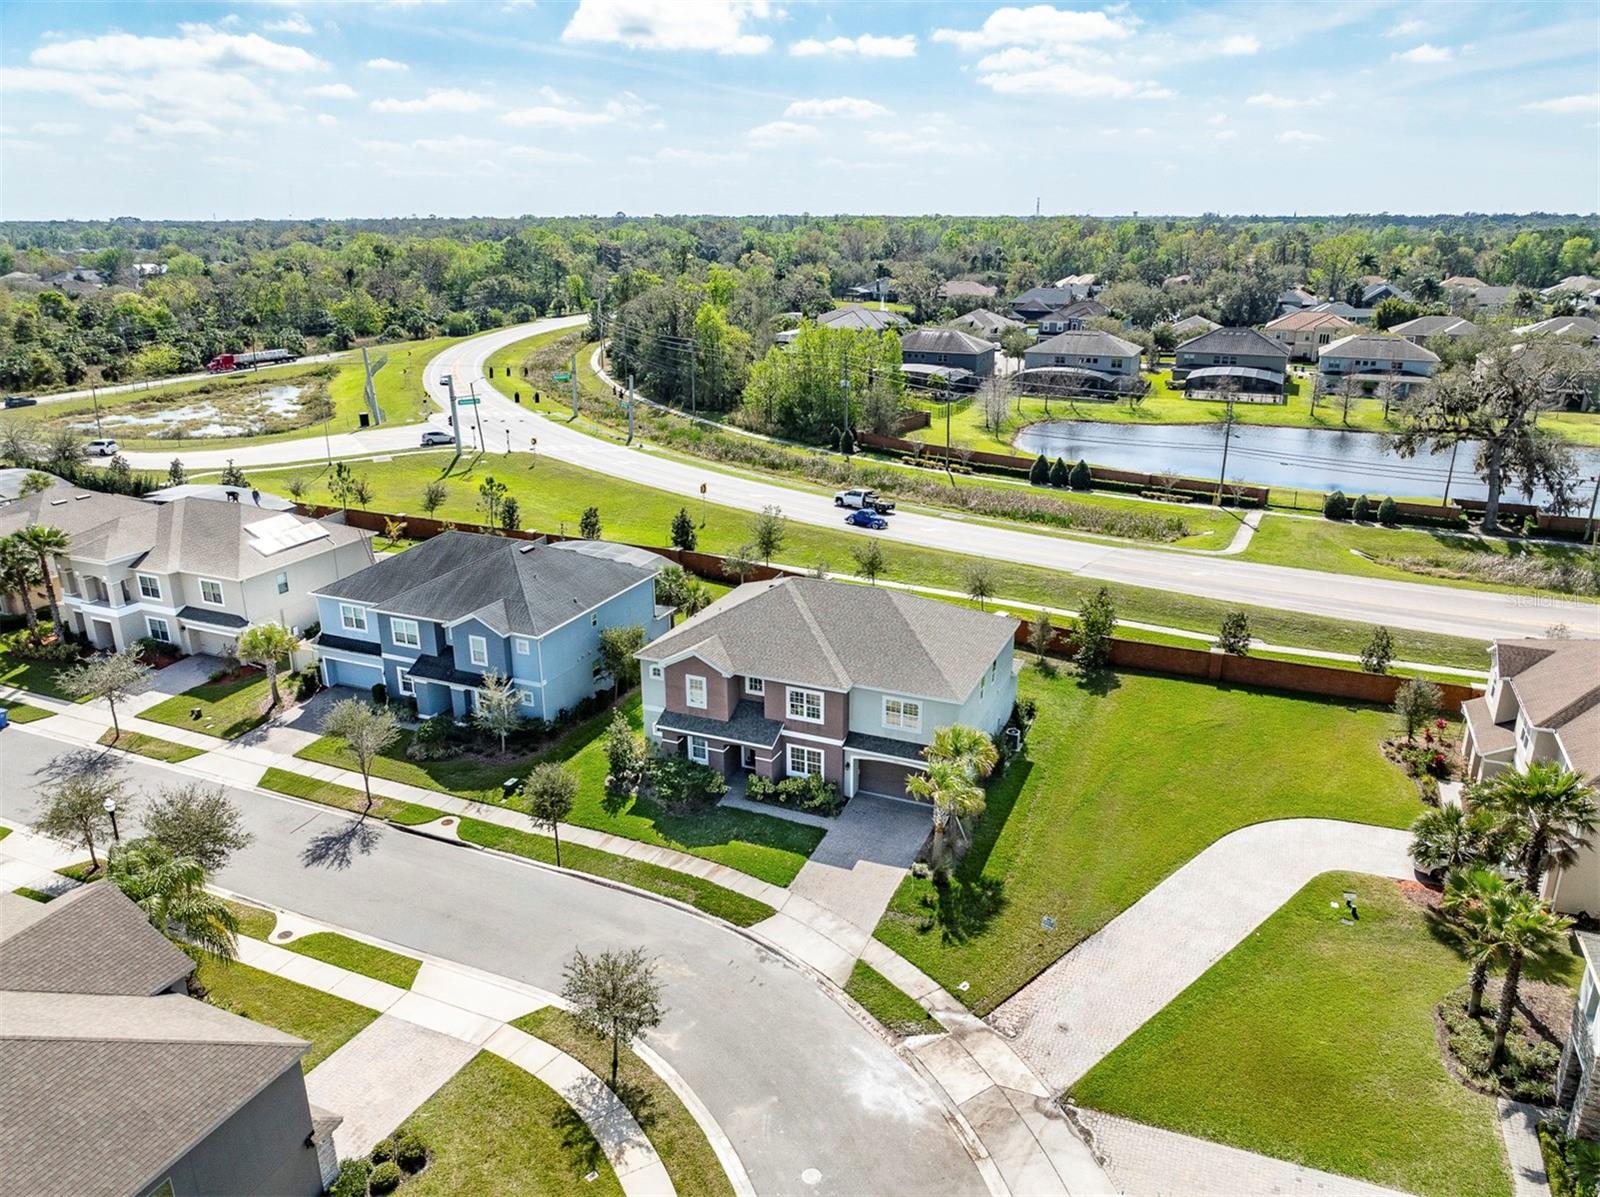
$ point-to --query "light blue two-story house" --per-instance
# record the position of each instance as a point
(432, 621)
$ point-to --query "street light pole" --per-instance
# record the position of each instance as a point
(1450, 474)
(844, 397)
(1588, 527)
(110, 805)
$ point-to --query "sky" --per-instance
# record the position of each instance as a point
(511, 107)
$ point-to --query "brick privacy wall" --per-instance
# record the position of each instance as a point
(1007, 461)
(1227, 669)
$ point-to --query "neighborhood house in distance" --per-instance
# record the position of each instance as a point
(798, 677)
(431, 622)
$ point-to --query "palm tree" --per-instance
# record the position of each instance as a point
(968, 745)
(1555, 806)
(266, 644)
(171, 890)
(1532, 930)
(19, 574)
(952, 791)
(1447, 838)
(44, 540)
(1479, 902)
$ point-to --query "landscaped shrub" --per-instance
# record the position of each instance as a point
(1336, 506)
(809, 793)
(1388, 513)
(1039, 471)
(304, 684)
(352, 1179)
(432, 739)
(410, 1152)
(1059, 473)
(1529, 1070)
(386, 1178)
(1079, 478)
(679, 784)
(53, 650)
(1363, 510)
(382, 1151)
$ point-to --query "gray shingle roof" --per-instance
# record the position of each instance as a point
(1083, 309)
(1194, 324)
(747, 725)
(836, 636)
(943, 340)
(346, 644)
(514, 586)
(73, 511)
(89, 940)
(441, 667)
(966, 286)
(1086, 342)
(853, 315)
(1435, 326)
(1377, 346)
(1234, 340)
(905, 750)
(1579, 327)
(211, 617)
(988, 323)
(1557, 684)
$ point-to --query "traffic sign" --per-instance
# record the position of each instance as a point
(561, 376)
(466, 402)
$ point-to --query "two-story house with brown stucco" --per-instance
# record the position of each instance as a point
(800, 676)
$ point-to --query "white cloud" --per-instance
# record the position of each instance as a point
(324, 118)
(199, 45)
(1425, 53)
(1225, 135)
(1018, 72)
(181, 127)
(386, 64)
(293, 23)
(53, 128)
(438, 99)
(1267, 99)
(915, 138)
(1039, 25)
(668, 153)
(775, 133)
(1300, 137)
(332, 91)
(202, 93)
(564, 112)
(867, 46)
(847, 107)
(1568, 104)
(714, 25)
(1405, 29)
(1237, 44)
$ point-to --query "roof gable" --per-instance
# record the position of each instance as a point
(1234, 340)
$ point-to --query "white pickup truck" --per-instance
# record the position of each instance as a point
(862, 498)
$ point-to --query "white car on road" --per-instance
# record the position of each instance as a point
(102, 448)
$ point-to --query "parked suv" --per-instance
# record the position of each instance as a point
(20, 401)
(102, 448)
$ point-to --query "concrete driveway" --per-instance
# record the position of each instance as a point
(861, 861)
(181, 675)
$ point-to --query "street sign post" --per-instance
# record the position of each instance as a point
(561, 376)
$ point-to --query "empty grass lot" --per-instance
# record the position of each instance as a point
(1125, 778)
(672, 1130)
(766, 847)
(1313, 1041)
(493, 1128)
(327, 1022)
(228, 709)
(559, 492)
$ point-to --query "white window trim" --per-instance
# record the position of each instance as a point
(755, 685)
(346, 610)
(522, 646)
(154, 581)
(150, 622)
(281, 581)
(705, 750)
(655, 671)
(221, 601)
(902, 723)
(689, 679)
(788, 761)
(402, 678)
(478, 650)
(802, 693)
(416, 632)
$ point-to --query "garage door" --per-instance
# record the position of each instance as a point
(346, 673)
(883, 777)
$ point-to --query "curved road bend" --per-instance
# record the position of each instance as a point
(1476, 614)
(795, 1082)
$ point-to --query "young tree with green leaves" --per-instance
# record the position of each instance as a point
(741, 561)
(73, 810)
(977, 579)
(1040, 635)
(1447, 838)
(45, 541)
(1533, 929)
(1234, 635)
(171, 890)
(267, 645)
(510, 515)
(1080, 477)
(550, 790)
(958, 759)
(625, 755)
(614, 996)
(176, 474)
(768, 530)
(232, 475)
(1480, 903)
(676, 587)
(433, 496)
(297, 485)
(1379, 652)
(1553, 807)
(871, 561)
(19, 574)
(684, 535)
(1097, 623)
(115, 677)
(198, 821)
(499, 706)
(617, 646)
(1416, 702)
(1039, 471)
(589, 524)
(366, 731)
(491, 497)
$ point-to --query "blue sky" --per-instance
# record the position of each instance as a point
(748, 106)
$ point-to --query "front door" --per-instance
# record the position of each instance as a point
(747, 758)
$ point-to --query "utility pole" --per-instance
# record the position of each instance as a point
(1588, 527)
(477, 413)
(844, 398)
(694, 409)
(1451, 475)
(572, 373)
(630, 410)
(455, 412)
(96, 395)
(1227, 435)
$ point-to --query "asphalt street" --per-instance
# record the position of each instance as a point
(1478, 614)
(794, 1080)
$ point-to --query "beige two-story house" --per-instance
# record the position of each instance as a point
(1303, 334)
(1542, 704)
(194, 573)
(800, 676)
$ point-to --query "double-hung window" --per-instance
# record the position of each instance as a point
(699, 751)
(903, 714)
(402, 679)
(158, 629)
(805, 705)
(755, 685)
(352, 618)
(405, 633)
(694, 691)
(282, 581)
(478, 650)
(210, 592)
(149, 587)
(804, 761)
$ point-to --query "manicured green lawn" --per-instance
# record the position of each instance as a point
(672, 1130)
(4, 831)
(378, 963)
(38, 676)
(493, 1128)
(254, 921)
(684, 887)
(1125, 778)
(327, 1022)
(21, 712)
(345, 798)
(151, 746)
(889, 1005)
(559, 492)
(1313, 1041)
(765, 847)
(228, 709)
(398, 383)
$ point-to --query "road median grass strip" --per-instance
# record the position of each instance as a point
(671, 1128)
(254, 921)
(21, 712)
(153, 747)
(367, 959)
(329, 793)
(704, 895)
(328, 1022)
(892, 1007)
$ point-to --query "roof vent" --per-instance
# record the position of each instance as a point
(527, 548)
(81, 498)
(58, 502)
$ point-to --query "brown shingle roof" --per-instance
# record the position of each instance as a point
(1305, 321)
